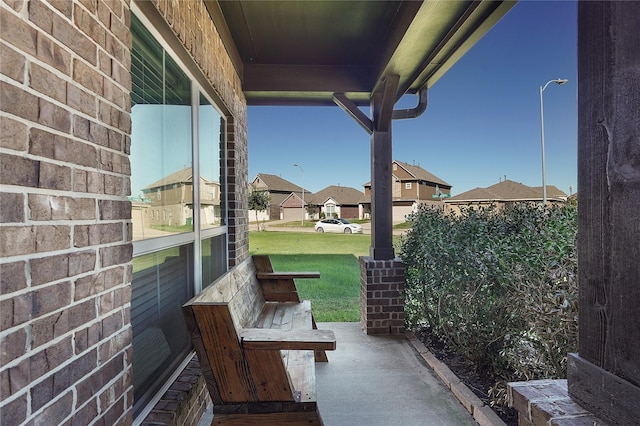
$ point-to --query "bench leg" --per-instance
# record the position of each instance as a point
(320, 356)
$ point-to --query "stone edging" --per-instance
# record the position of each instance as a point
(482, 413)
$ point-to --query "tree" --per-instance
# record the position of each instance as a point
(259, 201)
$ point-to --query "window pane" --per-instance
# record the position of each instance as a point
(161, 181)
(214, 258)
(211, 180)
(162, 283)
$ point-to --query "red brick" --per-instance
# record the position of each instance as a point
(13, 134)
(11, 207)
(12, 277)
(79, 100)
(19, 171)
(57, 411)
(14, 412)
(17, 240)
(46, 207)
(88, 77)
(88, 337)
(64, 6)
(86, 414)
(51, 298)
(114, 210)
(17, 32)
(48, 269)
(18, 377)
(12, 64)
(52, 54)
(24, 104)
(53, 176)
(13, 346)
(74, 39)
(82, 313)
(50, 327)
(41, 15)
(47, 83)
(42, 362)
(87, 24)
(54, 116)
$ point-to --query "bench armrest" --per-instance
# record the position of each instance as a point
(274, 339)
(286, 275)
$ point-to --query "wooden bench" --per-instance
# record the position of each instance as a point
(257, 343)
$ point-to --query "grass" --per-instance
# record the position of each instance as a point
(335, 297)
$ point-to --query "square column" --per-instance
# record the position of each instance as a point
(381, 295)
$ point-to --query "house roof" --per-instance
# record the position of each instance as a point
(507, 190)
(297, 52)
(418, 173)
(421, 174)
(181, 176)
(342, 195)
(276, 183)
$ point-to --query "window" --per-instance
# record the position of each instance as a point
(178, 188)
(407, 185)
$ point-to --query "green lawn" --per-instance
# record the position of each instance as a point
(335, 296)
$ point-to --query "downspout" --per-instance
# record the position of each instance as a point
(401, 114)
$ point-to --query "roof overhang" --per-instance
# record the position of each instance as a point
(297, 52)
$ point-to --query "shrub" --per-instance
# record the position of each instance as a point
(498, 286)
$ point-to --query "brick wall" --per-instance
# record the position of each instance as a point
(65, 338)
(65, 271)
(381, 300)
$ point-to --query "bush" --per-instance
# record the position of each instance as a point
(498, 286)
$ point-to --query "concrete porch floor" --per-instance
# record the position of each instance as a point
(379, 381)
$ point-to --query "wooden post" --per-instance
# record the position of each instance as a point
(604, 376)
(382, 103)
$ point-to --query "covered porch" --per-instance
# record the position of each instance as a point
(420, 41)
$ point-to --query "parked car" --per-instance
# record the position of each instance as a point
(337, 225)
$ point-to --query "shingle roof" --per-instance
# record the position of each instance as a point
(276, 183)
(507, 190)
(421, 174)
(181, 176)
(343, 195)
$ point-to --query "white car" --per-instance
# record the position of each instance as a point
(337, 225)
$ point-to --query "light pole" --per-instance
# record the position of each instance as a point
(559, 81)
(297, 165)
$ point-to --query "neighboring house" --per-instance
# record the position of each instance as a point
(286, 197)
(412, 185)
(169, 201)
(504, 193)
(338, 201)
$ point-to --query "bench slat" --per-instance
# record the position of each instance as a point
(287, 275)
(223, 351)
(269, 375)
(273, 339)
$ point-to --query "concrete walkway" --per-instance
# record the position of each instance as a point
(379, 381)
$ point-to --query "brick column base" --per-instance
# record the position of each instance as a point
(547, 402)
(381, 299)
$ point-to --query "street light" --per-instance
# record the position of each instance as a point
(297, 165)
(560, 82)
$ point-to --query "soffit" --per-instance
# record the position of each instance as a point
(301, 52)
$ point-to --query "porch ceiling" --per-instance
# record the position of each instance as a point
(301, 52)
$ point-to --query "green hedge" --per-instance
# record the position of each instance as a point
(498, 286)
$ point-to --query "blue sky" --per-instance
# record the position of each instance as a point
(482, 121)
